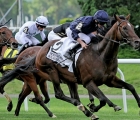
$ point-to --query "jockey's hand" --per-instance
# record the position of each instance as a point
(83, 44)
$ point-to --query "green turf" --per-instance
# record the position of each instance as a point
(66, 111)
(131, 73)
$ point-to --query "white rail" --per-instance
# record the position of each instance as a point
(126, 61)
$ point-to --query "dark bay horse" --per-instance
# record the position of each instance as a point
(103, 57)
(6, 41)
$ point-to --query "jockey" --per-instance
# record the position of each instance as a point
(26, 33)
(81, 27)
(58, 32)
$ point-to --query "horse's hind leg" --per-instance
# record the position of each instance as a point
(10, 104)
(43, 87)
(33, 85)
(25, 91)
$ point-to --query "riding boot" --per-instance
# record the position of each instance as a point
(22, 48)
(70, 53)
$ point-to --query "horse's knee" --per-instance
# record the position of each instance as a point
(39, 100)
(59, 95)
(46, 100)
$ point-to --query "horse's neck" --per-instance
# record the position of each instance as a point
(108, 48)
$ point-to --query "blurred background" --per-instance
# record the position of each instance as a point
(60, 11)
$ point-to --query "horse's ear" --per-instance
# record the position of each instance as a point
(127, 17)
(117, 18)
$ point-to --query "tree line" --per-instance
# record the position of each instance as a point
(56, 10)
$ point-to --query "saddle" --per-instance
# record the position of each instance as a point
(57, 51)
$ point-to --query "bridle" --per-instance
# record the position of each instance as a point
(124, 38)
(5, 41)
(123, 33)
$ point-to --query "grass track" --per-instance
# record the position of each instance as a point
(66, 111)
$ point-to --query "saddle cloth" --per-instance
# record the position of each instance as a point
(9, 53)
(57, 51)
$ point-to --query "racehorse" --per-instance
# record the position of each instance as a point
(103, 57)
(6, 41)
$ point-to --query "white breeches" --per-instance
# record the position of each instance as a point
(83, 36)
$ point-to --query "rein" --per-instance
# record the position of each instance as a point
(108, 38)
(5, 42)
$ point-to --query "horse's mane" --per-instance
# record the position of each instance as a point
(113, 21)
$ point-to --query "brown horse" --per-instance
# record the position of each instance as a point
(6, 41)
(103, 56)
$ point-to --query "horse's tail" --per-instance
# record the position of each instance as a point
(4, 61)
(18, 70)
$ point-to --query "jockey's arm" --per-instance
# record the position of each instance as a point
(25, 38)
(43, 36)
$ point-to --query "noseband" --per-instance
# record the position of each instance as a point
(5, 41)
(122, 34)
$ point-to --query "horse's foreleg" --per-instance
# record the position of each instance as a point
(91, 105)
(110, 104)
(60, 95)
(74, 94)
(94, 90)
(118, 83)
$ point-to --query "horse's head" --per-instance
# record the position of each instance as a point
(126, 32)
(6, 38)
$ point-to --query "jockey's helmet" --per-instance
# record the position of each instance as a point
(101, 16)
(42, 21)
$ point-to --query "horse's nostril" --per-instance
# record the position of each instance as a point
(15, 45)
(137, 42)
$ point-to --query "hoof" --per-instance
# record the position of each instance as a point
(117, 108)
(15, 115)
(10, 106)
(54, 116)
(81, 107)
(94, 117)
